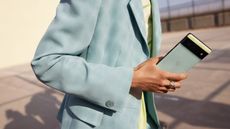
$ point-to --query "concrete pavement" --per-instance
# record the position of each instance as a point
(202, 103)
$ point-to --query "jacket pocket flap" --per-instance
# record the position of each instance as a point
(86, 111)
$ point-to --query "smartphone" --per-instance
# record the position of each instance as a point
(187, 53)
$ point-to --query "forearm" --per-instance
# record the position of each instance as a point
(96, 83)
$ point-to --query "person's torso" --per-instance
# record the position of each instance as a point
(119, 39)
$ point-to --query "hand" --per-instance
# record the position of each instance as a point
(148, 77)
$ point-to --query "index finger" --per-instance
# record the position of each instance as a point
(175, 76)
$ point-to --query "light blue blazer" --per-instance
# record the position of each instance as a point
(89, 52)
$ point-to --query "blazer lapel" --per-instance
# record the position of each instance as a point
(137, 10)
(151, 108)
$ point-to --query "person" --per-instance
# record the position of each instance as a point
(96, 52)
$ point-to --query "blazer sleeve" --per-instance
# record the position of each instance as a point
(57, 63)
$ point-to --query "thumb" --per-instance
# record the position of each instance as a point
(155, 60)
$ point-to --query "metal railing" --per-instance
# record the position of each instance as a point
(193, 8)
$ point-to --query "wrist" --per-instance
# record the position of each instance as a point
(135, 79)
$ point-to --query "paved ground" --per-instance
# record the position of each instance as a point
(202, 103)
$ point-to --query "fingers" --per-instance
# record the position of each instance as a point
(172, 81)
(166, 86)
(151, 61)
(161, 91)
(174, 76)
(171, 90)
(176, 85)
(150, 78)
(166, 83)
(163, 87)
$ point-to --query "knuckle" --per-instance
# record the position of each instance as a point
(158, 88)
(154, 67)
(166, 82)
(163, 74)
(161, 83)
(164, 89)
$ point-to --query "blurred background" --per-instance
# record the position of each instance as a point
(202, 103)
(193, 14)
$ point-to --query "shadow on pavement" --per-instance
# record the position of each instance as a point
(203, 113)
(40, 113)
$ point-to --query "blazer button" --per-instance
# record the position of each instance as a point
(109, 103)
